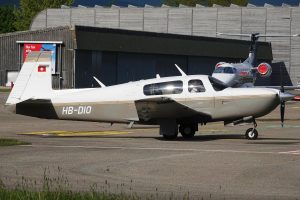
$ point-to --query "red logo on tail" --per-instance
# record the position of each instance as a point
(42, 68)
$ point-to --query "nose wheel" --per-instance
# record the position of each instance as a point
(251, 133)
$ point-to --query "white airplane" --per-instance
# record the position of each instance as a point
(171, 102)
(244, 74)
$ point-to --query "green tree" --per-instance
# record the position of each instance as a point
(228, 2)
(29, 8)
(7, 19)
(205, 2)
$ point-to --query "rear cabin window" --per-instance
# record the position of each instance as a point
(196, 86)
(172, 87)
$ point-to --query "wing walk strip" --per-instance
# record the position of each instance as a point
(167, 149)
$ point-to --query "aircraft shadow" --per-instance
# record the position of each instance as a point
(203, 138)
(197, 138)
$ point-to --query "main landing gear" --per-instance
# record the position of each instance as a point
(188, 130)
(169, 129)
(251, 133)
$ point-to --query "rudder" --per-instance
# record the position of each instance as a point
(34, 80)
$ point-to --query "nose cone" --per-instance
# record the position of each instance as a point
(267, 101)
(285, 96)
(258, 102)
(228, 79)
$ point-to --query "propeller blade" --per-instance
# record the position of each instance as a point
(283, 98)
(234, 34)
(282, 110)
(256, 35)
(295, 35)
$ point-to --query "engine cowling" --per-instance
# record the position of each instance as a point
(264, 69)
(219, 64)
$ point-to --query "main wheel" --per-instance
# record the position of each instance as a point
(170, 137)
(251, 134)
(187, 131)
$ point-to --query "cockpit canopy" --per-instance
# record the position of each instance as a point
(194, 85)
(225, 70)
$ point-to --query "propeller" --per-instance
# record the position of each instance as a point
(282, 107)
(282, 102)
(284, 96)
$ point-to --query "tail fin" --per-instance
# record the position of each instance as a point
(34, 80)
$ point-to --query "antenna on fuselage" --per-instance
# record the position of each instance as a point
(99, 82)
(180, 70)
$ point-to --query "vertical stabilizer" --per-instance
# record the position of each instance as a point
(253, 50)
(34, 80)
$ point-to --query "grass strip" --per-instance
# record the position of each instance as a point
(11, 142)
(5, 89)
(61, 195)
(55, 186)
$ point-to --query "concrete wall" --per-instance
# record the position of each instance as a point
(200, 21)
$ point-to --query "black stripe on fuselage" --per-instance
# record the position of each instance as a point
(42, 108)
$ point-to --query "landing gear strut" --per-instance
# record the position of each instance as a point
(251, 133)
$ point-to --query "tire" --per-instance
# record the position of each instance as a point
(170, 137)
(251, 134)
(187, 131)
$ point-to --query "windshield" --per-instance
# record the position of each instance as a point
(217, 84)
(226, 70)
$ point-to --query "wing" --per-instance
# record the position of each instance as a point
(150, 110)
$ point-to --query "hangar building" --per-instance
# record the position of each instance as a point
(118, 44)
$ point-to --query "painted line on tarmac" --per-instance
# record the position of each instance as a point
(297, 152)
(285, 126)
(74, 133)
(160, 149)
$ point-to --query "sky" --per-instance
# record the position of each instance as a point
(91, 3)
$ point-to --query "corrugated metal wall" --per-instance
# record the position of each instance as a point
(9, 52)
(200, 21)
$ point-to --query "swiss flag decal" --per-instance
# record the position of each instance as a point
(42, 68)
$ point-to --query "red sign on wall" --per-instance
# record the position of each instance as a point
(30, 47)
(42, 68)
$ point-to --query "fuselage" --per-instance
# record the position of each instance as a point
(148, 101)
(235, 74)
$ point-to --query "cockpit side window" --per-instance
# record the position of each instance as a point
(195, 86)
(219, 70)
(217, 84)
(172, 87)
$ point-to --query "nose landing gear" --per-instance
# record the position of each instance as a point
(251, 133)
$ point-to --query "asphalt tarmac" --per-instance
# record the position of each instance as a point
(218, 163)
